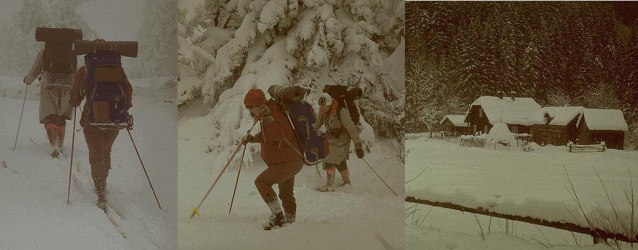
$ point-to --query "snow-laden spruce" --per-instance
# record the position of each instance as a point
(226, 49)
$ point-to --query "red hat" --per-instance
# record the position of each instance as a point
(255, 97)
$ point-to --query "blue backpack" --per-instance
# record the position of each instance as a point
(301, 116)
(107, 104)
(314, 144)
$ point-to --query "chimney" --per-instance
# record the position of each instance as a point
(499, 94)
(513, 95)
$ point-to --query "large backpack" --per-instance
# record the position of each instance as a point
(107, 103)
(346, 96)
(301, 116)
(58, 55)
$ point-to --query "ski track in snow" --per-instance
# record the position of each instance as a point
(526, 182)
(34, 186)
(349, 218)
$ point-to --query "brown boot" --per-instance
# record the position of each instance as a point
(100, 190)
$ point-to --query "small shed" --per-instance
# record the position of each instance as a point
(556, 125)
(454, 124)
(608, 125)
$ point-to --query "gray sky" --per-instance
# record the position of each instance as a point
(111, 19)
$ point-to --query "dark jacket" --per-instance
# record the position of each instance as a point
(277, 138)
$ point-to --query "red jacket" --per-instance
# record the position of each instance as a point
(277, 137)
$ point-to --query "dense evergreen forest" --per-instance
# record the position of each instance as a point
(559, 53)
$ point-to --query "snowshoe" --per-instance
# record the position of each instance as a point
(276, 221)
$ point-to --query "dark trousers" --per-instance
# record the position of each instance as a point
(99, 143)
(282, 174)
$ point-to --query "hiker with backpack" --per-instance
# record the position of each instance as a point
(341, 130)
(279, 152)
(108, 93)
(55, 66)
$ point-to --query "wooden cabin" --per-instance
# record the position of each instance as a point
(454, 124)
(513, 111)
(556, 125)
(608, 125)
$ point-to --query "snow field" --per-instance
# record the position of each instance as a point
(34, 185)
(517, 182)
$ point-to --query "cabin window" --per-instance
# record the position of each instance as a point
(474, 129)
(485, 129)
(515, 129)
(480, 110)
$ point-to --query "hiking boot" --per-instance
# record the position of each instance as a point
(276, 220)
(290, 218)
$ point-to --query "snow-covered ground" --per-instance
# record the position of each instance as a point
(364, 216)
(513, 182)
(34, 186)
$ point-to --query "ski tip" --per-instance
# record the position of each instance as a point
(195, 211)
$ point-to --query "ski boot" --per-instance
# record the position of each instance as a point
(276, 221)
(277, 218)
(290, 218)
(100, 190)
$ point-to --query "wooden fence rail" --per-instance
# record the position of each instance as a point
(596, 233)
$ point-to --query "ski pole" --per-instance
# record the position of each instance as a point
(21, 113)
(375, 172)
(237, 181)
(144, 168)
(68, 193)
(196, 210)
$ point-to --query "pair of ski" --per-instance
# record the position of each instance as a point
(112, 214)
(109, 213)
(55, 151)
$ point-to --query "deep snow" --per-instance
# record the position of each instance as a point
(359, 217)
(526, 183)
(34, 186)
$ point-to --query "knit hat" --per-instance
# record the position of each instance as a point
(325, 99)
(255, 97)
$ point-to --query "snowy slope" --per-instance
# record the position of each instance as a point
(364, 216)
(516, 182)
(34, 186)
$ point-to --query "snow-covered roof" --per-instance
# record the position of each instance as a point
(457, 120)
(604, 119)
(560, 115)
(507, 110)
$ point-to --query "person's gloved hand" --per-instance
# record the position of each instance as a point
(358, 148)
(246, 139)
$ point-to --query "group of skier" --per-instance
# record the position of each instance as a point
(63, 88)
(285, 159)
